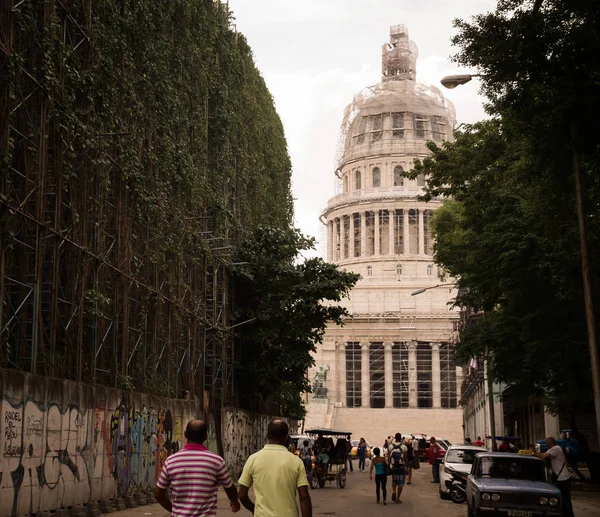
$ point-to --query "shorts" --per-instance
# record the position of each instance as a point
(398, 476)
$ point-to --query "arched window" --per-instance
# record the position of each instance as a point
(399, 269)
(398, 177)
(357, 182)
(376, 177)
(369, 270)
(345, 183)
(429, 269)
(421, 180)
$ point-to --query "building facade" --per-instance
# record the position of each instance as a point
(390, 367)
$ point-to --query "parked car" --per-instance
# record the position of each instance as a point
(298, 440)
(459, 458)
(424, 444)
(354, 451)
(511, 484)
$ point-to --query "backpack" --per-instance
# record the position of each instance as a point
(397, 456)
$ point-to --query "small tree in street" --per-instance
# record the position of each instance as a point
(287, 304)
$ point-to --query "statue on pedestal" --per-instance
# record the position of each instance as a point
(319, 389)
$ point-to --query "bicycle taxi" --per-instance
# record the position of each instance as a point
(330, 450)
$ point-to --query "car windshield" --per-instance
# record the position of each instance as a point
(466, 456)
(513, 468)
(354, 443)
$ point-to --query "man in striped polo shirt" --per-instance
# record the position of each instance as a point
(275, 475)
(194, 475)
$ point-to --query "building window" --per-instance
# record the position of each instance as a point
(377, 374)
(376, 177)
(413, 232)
(357, 234)
(353, 375)
(399, 269)
(376, 128)
(345, 183)
(438, 128)
(357, 180)
(397, 125)
(400, 374)
(429, 269)
(424, 384)
(370, 233)
(421, 180)
(337, 226)
(421, 125)
(398, 176)
(398, 232)
(369, 270)
(346, 230)
(361, 129)
(427, 215)
(384, 232)
(447, 377)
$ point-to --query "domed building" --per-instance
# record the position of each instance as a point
(390, 367)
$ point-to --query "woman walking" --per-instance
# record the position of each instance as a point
(362, 454)
(379, 464)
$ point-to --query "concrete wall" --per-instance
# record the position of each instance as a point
(64, 444)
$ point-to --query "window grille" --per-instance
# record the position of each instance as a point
(398, 176)
(398, 232)
(376, 177)
(438, 128)
(413, 231)
(357, 180)
(357, 234)
(353, 375)
(346, 224)
(447, 376)
(424, 380)
(376, 128)
(377, 374)
(400, 374)
(337, 228)
(421, 125)
(397, 125)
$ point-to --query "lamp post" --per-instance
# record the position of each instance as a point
(452, 81)
(419, 291)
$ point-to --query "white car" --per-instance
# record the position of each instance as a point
(459, 458)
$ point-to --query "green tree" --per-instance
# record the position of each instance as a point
(289, 303)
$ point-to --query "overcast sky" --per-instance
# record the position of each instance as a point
(316, 54)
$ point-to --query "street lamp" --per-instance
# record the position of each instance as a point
(451, 82)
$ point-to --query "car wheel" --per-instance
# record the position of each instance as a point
(457, 495)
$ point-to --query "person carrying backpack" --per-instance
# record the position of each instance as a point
(398, 461)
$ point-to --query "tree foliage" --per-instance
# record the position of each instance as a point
(288, 305)
(510, 232)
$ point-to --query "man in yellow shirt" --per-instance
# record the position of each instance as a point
(275, 475)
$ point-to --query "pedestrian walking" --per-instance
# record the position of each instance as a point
(349, 454)
(434, 453)
(410, 460)
(558, 461)
(379, 464)
(398, 461)
(194, 475)
(275, 476)
(416, 460)
(362, 454)
(306, 456)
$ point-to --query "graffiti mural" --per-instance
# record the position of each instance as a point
(54, 455)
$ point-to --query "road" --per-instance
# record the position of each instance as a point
(420, 499)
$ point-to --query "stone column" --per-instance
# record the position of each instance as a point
(391, 232)
(330, 241)
(377, 238)
(351, 237)
(412, 375)
(365, 376)
(436, 385)
(363, 234)
(341, 372)
(406, 243)
(389, 376)
(342, 238)
(421, 233)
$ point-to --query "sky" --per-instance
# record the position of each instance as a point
(315, 55)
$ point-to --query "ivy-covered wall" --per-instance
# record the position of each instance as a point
(138, 144)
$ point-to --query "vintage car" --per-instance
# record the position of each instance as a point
(354, 451)
(511, 485)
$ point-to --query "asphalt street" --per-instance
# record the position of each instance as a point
(420, 499)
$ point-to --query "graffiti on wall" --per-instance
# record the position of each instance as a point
(52, 457)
